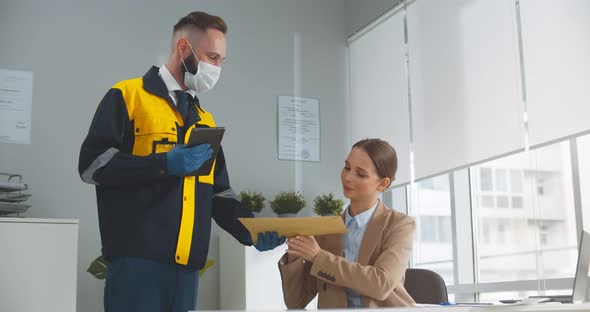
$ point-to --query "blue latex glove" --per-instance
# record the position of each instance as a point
(182, 160)
(269, 241)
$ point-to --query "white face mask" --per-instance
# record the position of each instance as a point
(206, 77)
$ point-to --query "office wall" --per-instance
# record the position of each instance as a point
(361, 13)
(78, 49)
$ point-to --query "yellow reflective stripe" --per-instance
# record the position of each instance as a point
(189, 204)
(209, 179)
(206, 119)
(187, 221)
(154, 120)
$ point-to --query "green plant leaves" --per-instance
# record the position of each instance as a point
(327, 205)
(252, 200)
(98, 267)
(210, 263)
(288, 202)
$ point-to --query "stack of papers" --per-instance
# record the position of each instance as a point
(11, 195)
(10, 186)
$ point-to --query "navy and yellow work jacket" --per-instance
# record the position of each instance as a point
(142, 210)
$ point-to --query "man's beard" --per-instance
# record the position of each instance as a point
(191, 64)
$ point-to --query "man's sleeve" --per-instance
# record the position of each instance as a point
(227, 207)
(105, 157)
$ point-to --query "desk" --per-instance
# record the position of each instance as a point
(578, 307)
(500, 308)
(250, 280)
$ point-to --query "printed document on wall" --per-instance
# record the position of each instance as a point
(299, 128)
(16, 95)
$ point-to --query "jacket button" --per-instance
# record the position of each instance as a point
(173, 129)
(137, 130)
(325, 286)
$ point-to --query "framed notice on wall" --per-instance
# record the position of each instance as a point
(299, 128)
(16, 93)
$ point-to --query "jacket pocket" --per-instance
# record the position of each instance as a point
(154, 136)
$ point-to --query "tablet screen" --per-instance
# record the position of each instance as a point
(213, 137)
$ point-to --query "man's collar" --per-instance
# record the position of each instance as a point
(153, 83)
(171, 83)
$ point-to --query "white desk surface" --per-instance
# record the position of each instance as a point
(37, 220)
(577, 307)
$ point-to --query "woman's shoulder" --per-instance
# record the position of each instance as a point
(393, 213)
(396, 218)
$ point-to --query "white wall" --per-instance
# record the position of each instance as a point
(79, 49)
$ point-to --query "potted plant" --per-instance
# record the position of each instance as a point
(327, 205)
(253, 200)
(98, 267)
(287, 204)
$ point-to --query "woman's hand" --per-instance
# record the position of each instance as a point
(303, 246)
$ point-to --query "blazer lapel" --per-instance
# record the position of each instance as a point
(372, 234)
(332, 243)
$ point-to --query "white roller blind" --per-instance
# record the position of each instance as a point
(379, 90)
(556, 47)
(465, 82)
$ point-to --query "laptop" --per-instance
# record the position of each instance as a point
(581, 278)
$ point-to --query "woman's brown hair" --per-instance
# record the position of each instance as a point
(383, 156)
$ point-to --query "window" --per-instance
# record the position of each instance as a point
(584, 169)
(487, 201)
(430, 204)
(427, 226)
(444, 229)
(486, 179)
(435, 228)
(502, 201)
(501, 233)
(516, 201)
(530, 227)
(544, 233)
(501, 183)
(516, 181)
(500, 188)
(540, 186)
(486, 233)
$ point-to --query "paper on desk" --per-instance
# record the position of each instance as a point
(289, 227)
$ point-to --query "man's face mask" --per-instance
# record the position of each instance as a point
(205, 75)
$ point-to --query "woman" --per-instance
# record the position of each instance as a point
(366, 266)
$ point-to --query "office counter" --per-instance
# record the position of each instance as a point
(250, 281)
(38, 264)
(578, 307)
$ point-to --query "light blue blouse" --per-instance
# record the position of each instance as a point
(352, 243)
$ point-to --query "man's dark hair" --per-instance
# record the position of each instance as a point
(201, 21)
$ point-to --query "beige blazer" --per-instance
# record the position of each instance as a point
(378, 276)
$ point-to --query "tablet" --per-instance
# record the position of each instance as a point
(213, 137)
